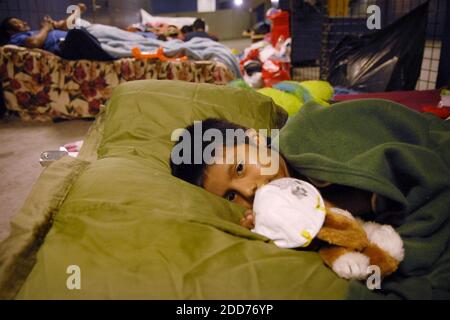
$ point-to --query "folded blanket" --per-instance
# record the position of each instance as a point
(402, 156)
(119, 43)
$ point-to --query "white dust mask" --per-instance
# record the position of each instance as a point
(288, 211)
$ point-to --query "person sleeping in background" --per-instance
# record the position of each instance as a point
(199, 28)
(55, 37)
(47, 38)
(184, 31)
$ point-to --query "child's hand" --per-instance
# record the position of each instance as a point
(249, 220)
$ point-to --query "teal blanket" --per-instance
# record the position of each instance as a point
(403, 157)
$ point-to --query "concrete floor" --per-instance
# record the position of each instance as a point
(20, 147)
(238, 44)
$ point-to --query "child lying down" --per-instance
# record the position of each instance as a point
(377, 159)
(287, 209)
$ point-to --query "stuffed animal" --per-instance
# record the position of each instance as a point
(292, 213)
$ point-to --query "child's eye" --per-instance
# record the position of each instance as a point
(230, 196)
(239, 169)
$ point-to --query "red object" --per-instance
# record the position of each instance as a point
(271, 77)
(416, 100)
(443, 112)
(280, 26)
(252, 55)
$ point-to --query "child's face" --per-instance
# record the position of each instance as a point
(238, 178)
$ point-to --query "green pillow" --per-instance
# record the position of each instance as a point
(137, 232)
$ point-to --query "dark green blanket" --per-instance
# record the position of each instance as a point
(401, 155)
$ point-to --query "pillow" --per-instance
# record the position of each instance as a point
(136, 232)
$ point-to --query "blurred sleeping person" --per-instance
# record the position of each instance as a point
(55, 37)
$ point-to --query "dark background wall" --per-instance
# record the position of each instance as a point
(33, 10)
(116, 12)
(122, 13)
(315, 34)
(226, 23)
(158, 7)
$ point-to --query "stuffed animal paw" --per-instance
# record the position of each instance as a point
(386, 238)
(352, 265)
(385, 248)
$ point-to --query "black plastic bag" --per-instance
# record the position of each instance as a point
(386, 60)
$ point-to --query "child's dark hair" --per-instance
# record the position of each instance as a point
(186, 29)
(199, 24)
(194, 172)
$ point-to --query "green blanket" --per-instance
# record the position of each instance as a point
(134, 230)
(402, 156)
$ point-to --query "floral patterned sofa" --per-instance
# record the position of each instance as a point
(41, 86)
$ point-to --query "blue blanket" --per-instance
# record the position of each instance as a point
(119, 43)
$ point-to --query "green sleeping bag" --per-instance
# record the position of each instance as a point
(136, 232)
